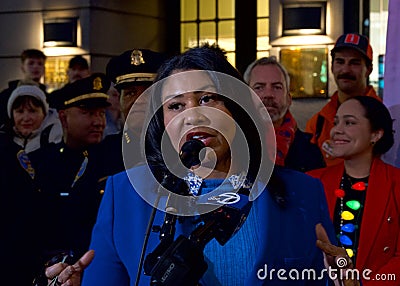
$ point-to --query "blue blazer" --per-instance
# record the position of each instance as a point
(285, 237)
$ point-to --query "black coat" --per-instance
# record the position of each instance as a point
(71, 184)
(121, 151)
(303, 155)
(19, 218)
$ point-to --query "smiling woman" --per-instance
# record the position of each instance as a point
(30, 116)
(364, 186)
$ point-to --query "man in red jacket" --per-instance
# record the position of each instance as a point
(351, 67)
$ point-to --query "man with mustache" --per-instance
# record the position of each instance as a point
(351, 67)
(270, 81)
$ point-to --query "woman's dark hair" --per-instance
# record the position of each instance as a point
(380, 119)
(8, 126)
(207, 58)
(29, 101)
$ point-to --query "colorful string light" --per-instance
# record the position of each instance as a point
(348, 227)
(353, 204)
(348, 215)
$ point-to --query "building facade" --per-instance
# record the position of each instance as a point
(299, 32)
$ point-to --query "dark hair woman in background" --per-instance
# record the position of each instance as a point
(363, 192)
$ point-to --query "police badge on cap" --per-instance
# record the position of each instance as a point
(87, 92)
(134, 67)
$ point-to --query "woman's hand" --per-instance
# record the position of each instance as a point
(335, 258)
(63, 274)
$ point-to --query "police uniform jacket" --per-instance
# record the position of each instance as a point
(121, 151)
(70, 183)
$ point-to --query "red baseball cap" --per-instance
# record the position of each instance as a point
(354, 41)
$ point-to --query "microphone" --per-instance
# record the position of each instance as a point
(224, 221)
(181, 262)
(190, 153)
(189, 156)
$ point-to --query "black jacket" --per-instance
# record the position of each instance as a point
(303, 155)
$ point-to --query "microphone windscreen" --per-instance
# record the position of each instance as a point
(190, 153)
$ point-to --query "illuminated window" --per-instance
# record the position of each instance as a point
(308, 71)
(263, 29)
(55, 75)
(213, 21)
(208, 21)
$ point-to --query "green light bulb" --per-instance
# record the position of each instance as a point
(354, 205)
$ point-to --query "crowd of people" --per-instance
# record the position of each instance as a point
(182, 171)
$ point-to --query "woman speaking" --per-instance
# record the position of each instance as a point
(229, 217)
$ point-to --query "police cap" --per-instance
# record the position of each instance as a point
(87, 92)
(134, 67)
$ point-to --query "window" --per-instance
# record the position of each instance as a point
(211, 21)
(60, 32)
(304, 19)
(308, 70)
(55, 75)
(263, 29)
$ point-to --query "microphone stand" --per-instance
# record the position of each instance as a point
(146, 238)
(189, 156)
(181, 262)
(167, 231)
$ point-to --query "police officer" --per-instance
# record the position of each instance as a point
(70, 175)
(132, 72)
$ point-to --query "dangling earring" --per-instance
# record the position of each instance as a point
(373, 143)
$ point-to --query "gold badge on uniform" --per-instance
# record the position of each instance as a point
(137, 58)
(97, 83)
